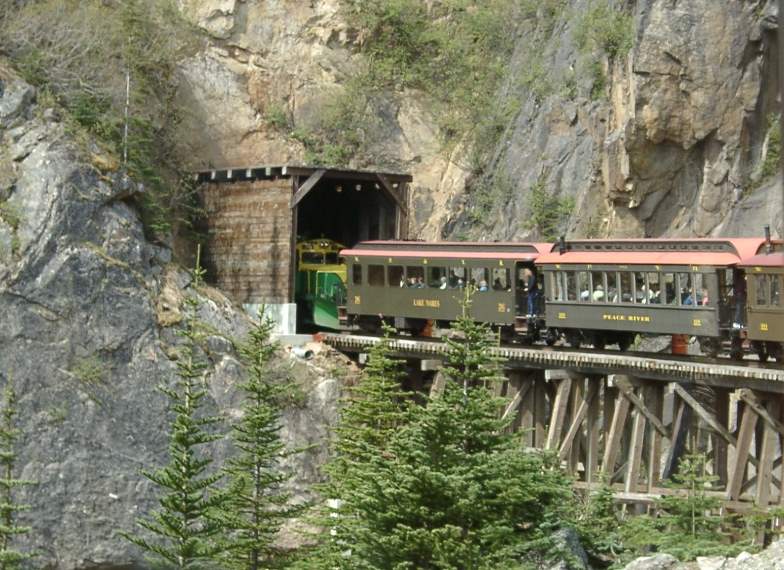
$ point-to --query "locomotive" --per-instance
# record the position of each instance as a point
(588, 292)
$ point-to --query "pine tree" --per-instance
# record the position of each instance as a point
(255, 506)
(451, 489)
(9, 508)
(183, 530)
(373, 411)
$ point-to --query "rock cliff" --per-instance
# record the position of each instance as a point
(89, 311)
(668, 138)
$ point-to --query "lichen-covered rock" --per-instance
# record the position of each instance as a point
(655, 562)
(89, 311)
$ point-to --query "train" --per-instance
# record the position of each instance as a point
(725, 292)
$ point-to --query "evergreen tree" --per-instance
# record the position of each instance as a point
(451, 489)
(183, 529)
(255, 506)
(685, 526)
(374, 409)
(9, 508)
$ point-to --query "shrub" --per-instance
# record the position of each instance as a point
(604, 29)
(548, 213)
(771, 163)
(82, 52)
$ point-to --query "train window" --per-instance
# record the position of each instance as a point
(501, 279)
(436, 277)
(775, 290)
(640, 288)
(584, 286)
(311, 257)
(331, 258)
(685, 289)
(626, 287)
(761, 283)
(598, 287)
(571, 286)
(396, 276)
(376, 275)
(668, 292)
(356, 274)
(415, 276)
(612, 286)
(654, 288)
(479, 278)
(456, 278)
(707, 289)
(697, 288)
(553, 287)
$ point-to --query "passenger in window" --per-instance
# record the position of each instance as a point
(402, 281)
(703, 298)
(460, 283)
(443, 283)
(420, 283)
(686, 298)
(598, 294)
(452, 280)
(612, 295)
(483, 285)
(497, 285)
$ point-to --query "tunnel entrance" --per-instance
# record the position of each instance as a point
(254, 218)
(347, 213)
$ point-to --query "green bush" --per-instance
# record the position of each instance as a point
(548, 213)
(81, 52)
(771, 163)
(606, 30)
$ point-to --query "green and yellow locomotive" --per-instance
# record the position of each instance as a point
(320, 286)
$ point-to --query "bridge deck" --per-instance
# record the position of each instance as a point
(664, 367)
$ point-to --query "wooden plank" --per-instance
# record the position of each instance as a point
(654, 394)
(306, 187)
(593, 424)
(752, 481)
(528, 412)
(707, 416)
(540, 411)
(577, 419)
(719, 444)
(634, 460)
(578, 395)
(747, 425)
(559, 413)
(770, 438)
(523, 386)
(613, 442)
(628, 392)
(680, 428)
(750, 398)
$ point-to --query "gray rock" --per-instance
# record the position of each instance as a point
(567, 545)
(90, 311)
(655, 562)
(15, 98)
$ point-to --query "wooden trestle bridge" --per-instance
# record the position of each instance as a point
(628, 418)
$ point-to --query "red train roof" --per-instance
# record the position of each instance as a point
(697, 251)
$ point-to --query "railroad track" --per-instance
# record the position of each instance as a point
(655, 366)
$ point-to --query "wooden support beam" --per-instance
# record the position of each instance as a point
(707, 416)
(306, 187)
(752, 481)
(632, 475)
(624, 385)
(528, 413)
(578, 394)
(593, 424)
(577, 419)
(523, 386)
(559, 413)
(680, 428)
(612, 443)
(747, 425)
(719, 444)
(751, 399)
(654, 395)
(540, 411)
(769, 440)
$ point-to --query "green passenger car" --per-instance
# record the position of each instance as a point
(320, 286)
(765, 312)
(607, 291)
(414, 284)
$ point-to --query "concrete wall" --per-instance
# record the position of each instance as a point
(249, 246)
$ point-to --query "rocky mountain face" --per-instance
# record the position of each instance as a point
(90, 311)
(668, 138)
